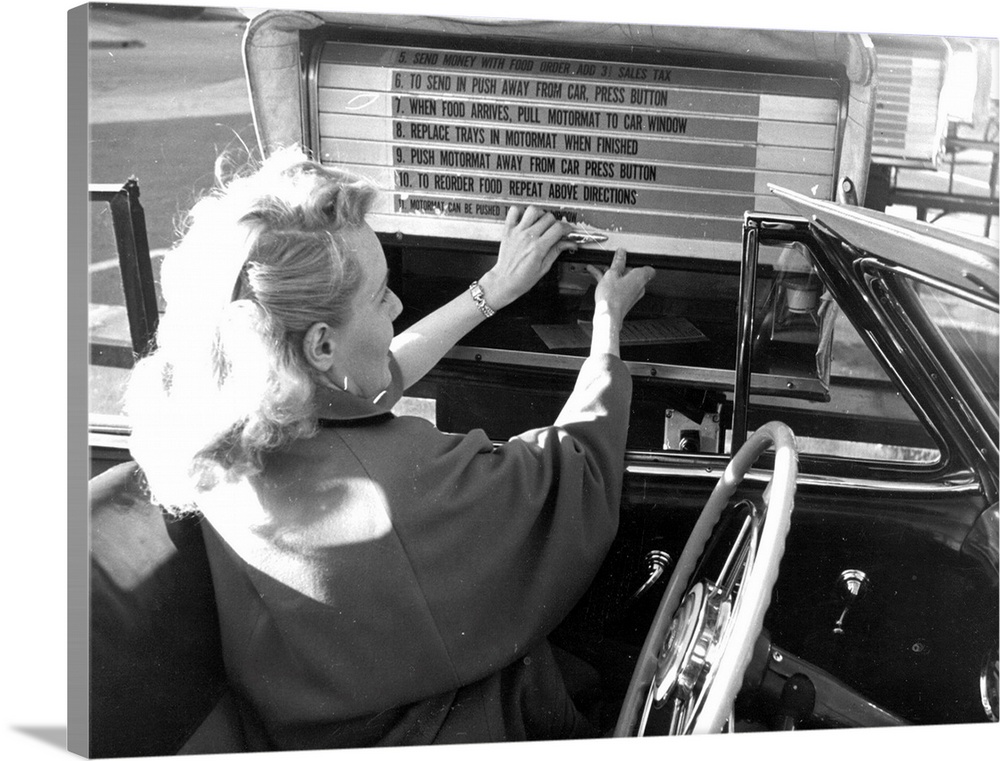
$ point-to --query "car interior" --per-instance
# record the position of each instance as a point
(885, 602)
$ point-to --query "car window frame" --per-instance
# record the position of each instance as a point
(132, 243)
(945, 375)
(141, 307)
(857, 296)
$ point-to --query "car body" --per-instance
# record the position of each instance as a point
(873, 339)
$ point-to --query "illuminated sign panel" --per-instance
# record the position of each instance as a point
(656, 152)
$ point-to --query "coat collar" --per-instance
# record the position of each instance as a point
(336, 406)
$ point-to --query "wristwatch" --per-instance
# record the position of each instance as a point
(480, 298)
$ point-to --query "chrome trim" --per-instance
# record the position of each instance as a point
(98, 421)
(989, 683)
(710, 377)
(953, 290)
(108, 440)
(712, 473)
(743, 377)
(110, 431)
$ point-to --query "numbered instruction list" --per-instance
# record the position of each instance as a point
(653, 149)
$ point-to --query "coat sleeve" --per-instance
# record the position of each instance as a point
(503, 541)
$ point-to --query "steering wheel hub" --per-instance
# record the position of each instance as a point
(689, 649)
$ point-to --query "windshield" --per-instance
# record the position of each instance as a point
(970, 330)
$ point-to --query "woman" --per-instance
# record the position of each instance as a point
(378, 581)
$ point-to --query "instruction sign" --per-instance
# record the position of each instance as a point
(674, 151)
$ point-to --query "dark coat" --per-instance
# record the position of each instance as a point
(398, 582)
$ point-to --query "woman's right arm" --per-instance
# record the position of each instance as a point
(617, 292)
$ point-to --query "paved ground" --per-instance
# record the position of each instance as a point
(166, 97)
(145, 67)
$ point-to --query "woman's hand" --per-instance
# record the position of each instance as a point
(618, 290)
(531, 243)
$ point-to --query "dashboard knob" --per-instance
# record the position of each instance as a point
(657, 562)
(851, 586)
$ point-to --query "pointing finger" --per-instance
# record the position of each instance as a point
(618, 261)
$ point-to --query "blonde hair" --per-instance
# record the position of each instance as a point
(258, 264)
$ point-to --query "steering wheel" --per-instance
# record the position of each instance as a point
(693, 660)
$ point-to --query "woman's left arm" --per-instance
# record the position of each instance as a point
(531, 243)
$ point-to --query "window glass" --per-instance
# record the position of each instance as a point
(970, 332)
(108, 327)
(835, 395)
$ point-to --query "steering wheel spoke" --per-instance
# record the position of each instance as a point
(744, 549)
(692, 663)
